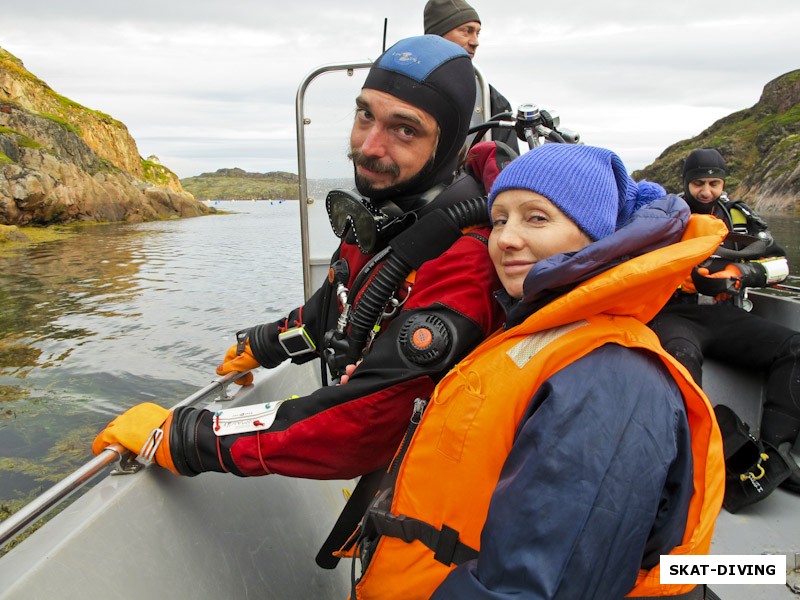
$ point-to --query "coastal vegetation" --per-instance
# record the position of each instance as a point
(61, 162)
(156, 173)
(761, 145)
(237, 184)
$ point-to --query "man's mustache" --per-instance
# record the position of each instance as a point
(372, 164)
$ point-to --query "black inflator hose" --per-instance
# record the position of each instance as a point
(467, 213)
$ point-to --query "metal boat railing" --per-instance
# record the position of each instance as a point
(786, 288)
(786, 292)
(52, 497)
(302, 172)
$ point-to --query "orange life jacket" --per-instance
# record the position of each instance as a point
(454, 461)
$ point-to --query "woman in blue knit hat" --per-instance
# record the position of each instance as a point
(569, 451)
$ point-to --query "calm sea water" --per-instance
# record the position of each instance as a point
(786, 229)
(122, 314)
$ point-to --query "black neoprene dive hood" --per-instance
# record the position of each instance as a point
(435, 75)
(700, 164)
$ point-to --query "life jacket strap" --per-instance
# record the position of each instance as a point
(444, 542)
(348, 520)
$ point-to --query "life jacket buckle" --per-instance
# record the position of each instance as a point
(393, 525)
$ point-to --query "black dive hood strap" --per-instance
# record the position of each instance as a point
(701, 208)
(411, 203)
(452, 190)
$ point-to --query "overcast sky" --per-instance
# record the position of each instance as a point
(207, 84)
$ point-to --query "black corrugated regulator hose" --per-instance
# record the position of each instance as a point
(380, 290)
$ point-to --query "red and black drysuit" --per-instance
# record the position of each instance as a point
(343, 431)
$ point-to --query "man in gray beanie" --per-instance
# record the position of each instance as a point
(458, 22)
(443, 16)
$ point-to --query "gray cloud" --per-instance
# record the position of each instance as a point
(206, 84)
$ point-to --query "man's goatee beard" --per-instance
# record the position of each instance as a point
(398, 188)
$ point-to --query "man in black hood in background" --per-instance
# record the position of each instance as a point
(708, 317)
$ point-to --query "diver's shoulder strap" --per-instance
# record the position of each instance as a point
(464, 186)
(348, 520)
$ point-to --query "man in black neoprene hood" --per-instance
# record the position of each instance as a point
(447, 96)
(708, 317)
(411, 121)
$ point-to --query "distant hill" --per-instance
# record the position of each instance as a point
(237, 184)
(62, 162)
(761, 145)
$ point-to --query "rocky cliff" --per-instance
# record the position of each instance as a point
(62, 162)
(761, 145)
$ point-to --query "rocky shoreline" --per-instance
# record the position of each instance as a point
(61, 162)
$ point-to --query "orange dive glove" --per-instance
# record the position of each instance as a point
(721, 278)
(132, 429)
(239, 361)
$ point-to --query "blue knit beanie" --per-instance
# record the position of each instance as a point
(589, 184)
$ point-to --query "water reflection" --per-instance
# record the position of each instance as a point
(51, 291)
(120, 314)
